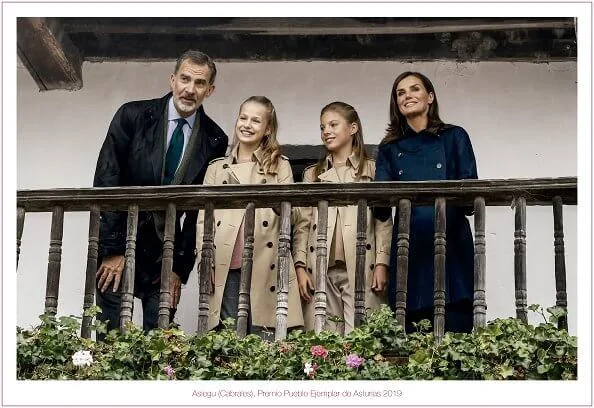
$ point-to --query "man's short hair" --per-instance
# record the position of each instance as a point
(198, 58)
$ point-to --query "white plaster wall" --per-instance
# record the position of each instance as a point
(521, 117)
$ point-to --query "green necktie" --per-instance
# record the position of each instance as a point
(174, 152)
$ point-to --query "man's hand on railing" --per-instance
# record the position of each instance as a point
(174, 289)
(111, 271)
(306, 287)
(380, 278)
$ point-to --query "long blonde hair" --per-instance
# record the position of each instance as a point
(271, 150)
(351, 116)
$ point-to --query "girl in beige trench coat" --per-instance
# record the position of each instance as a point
(346, 161)
(254, 159)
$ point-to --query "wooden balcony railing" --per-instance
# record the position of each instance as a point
(478, 193)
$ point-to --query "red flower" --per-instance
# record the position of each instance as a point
(318, 351)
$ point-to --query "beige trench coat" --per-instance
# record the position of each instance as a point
(263, 294)
(379, 236)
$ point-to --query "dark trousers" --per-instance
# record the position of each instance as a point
(230, 303)
(458, 317)
(110, 302)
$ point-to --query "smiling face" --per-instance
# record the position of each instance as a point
(336, 132)
(412, 97)
(190, 85)
(252, 124)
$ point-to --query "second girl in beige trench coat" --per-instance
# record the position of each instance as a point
(343, 133)
(227, 222)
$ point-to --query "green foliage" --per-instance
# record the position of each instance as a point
(504, 349)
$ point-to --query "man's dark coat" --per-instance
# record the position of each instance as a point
(133, 155)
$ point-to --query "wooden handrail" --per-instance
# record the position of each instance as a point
(496, 193)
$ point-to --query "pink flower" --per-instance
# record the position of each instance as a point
(318, 351)
(354, 361)
(169, 371)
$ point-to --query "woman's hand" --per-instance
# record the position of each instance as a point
(305, 283)
(380, 278)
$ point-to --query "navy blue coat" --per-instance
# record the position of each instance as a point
(447, 155)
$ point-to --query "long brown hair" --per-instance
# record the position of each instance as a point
(351, 116)
(395, 130)
(271, 150)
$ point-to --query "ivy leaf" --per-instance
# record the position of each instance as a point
(542, 368)
(506, 371)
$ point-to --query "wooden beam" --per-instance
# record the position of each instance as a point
(307, 25)
(540, 45)
(48, 54)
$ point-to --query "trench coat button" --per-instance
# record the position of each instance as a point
(399, 154)
(224, 181)
(263, 181)
(272, 266)
(269, 244)
(218, 223)
(371, 266)
(195, 252)
(438, 165)
(400, 172)
(272, 288)
(314, 227)
(311, 249)
(309, 270)
(368, 246)
(225, 166)
(265, 223)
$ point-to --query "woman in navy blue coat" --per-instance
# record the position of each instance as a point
(419, 146)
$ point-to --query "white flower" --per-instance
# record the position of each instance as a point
(82, 358)
(308, 369)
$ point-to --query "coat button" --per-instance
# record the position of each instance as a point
(195, 252)
(269, 244)
(218, 223)
(224, 181)
(272, 288)
(399, 154)
(265, 223)
(371, 266)
(314, 227)
(400, 172)
(272, 266)
(309, 270)
(263, 181)
(438, 165)
(225, 166)
(368, 246)
(311, 249)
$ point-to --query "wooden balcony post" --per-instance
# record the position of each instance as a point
(321, 267)
(560, 274)
(90, 281)
(20, 225)
(54, 261)
(480, 263)
(243, 309)
(205, 269)
(167, 267)
(127, 304)
(284, 251)
(520, 260)
(360, 262)
(439, 269)
(404, 208)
